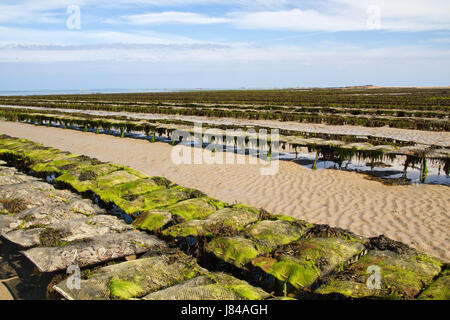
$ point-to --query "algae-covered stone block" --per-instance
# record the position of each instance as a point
(9, 145)
(85, 178)
(114, 178)
(269, 234)
(197, 208)
(439, 289)
(152, 220)
(401, 276)
(152, 200)
(214, 286)
(222, 222)
(302, 262)
(67, 230)
(133, 279)
(129, 190)
(235, 250)
(42, 156)
(60, 166)
(93, 250)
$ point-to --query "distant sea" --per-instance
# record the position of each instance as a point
(84, 91)
(100, 91)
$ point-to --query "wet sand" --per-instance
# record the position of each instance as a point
(416, 215)
(4, 293)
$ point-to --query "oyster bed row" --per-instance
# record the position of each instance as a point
(336, 148)
(148, 238)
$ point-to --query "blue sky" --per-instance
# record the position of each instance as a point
(138, 44)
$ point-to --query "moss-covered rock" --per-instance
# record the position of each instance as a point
(65, 231)
(62, 165)
(402, 276)
(197, 208)
(122, 289)
(115, 178)
(152, 200)
(226, 221)
(268, 235)
(153, 220)
(130, 190)
(439, 289)
(85, 178)
(134, 279)
(214, 286)
(301, 263)
(235, 250)
(93, 251)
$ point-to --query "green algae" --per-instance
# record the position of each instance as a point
(288, 270)
(153, 220)
(235, 250)
(143, 276)
(245, 291)
(212, 286)
(127, 191)
(197, 208)
(152, 200)
(439, 289)
(402, 276)
(115, 178)
(84, 178)
(302, 262)
(63, 165)
(222, 222)
(123, 290)
(268, 235)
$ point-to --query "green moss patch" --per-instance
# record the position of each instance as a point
(84, 178)
(62, 165)
(438, 289)
(121, 289)
(302, 262)
(289, 270)
(197, 208)
(268, 235)
(213, 286)
(152, 200)
(115, 178)
(227, 221)
(153, 220)
(136, 278)
(235, 250)
(403, 276)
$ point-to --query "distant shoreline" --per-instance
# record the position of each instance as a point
(157, 90)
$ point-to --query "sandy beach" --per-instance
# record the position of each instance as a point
(416, 215)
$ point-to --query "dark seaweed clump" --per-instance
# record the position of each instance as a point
(14, 205)
(384, 243)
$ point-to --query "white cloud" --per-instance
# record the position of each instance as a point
(352, 15)
(172, 17)
(295, 15)
(152, 48)
(14, 36)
